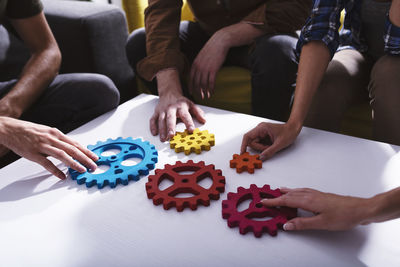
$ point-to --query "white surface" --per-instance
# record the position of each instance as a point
(48, 222)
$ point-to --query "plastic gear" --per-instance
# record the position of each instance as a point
(243, 219)
(185, 184)
(118, 173)
(245, 162)
(195, 142)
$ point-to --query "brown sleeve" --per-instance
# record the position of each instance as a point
(280, 16)
(162, 18)
(20, 9)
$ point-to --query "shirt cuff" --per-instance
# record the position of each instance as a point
(148, 67)
(391, 37)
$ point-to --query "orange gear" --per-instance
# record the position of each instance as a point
(187, 183)
(246, 162)
(194, 142)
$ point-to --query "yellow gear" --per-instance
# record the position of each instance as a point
(195, 142)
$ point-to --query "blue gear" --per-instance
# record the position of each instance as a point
(118, 173)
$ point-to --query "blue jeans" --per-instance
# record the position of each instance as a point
(271, 60)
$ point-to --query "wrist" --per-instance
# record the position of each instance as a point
(295, 125)
(224, 38)
(10, 108)
(376, 205)
(168, 83)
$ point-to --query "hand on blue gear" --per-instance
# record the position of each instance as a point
(118, 173)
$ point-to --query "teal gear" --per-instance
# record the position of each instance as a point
(117, 173)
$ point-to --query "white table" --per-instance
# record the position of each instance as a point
(48, 222)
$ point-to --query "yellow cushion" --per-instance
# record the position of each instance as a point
(233, 88)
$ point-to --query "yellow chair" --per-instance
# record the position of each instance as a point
(232, 88)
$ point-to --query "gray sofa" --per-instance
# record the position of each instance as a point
(91, 38)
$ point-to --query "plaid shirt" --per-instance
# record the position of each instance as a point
(324, 22)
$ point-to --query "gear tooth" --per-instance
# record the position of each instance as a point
(253, 187)
(266, 187)
(241, 189)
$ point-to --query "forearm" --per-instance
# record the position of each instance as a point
(385, 206)
(37, 74)
(394, 13)
(238, 34)
(314, 60)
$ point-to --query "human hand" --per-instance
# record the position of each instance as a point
(269, 138)
(331, 212)
(3, 151)
(8, 109)
(207, 64)
(170, 108)
(36, 142)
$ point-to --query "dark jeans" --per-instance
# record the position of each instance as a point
(272, 63)
(70, 101)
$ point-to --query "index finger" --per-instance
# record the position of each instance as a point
(247, 139)
(77, 145)
(185, 116)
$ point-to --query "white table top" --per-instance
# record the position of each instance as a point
(48, 222)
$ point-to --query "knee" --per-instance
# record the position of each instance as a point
(274, 53)
(136, 47)
(382, 92)
(97, 91)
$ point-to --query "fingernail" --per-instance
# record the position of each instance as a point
(288, 226)
(82, 169)
(171, 133)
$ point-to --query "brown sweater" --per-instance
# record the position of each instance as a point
(162, 18)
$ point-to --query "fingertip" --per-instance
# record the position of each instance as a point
(289, 226)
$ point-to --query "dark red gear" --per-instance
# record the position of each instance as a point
(243, 219)
(185, 184)
(245, 162)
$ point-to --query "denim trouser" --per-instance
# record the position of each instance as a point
(271, 60)
(69, 101)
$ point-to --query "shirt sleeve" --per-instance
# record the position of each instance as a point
(322, 25)
(162, 19)
(280, 16)
(391, 38)
(20, 9)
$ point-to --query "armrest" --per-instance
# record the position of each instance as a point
(92, 38)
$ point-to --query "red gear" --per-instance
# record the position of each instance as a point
(185, 184)
(245, 162)
(243, 219)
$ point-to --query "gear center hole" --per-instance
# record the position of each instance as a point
(246, 159)
(131, 161)
(185, 180)
(111, 152)
(101, 169)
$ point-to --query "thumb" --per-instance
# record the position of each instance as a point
(270, 151)
(304, 223)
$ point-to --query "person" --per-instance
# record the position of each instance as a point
(335, 212)
(340, 81)
(41, 96)
(258, 34)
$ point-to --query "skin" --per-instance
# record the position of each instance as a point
(33, 141)
(335, 212)
(172, 104)
(314, 60)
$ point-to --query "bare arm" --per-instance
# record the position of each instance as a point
(335, 212)
(394, 12)
(314, 60)
(39, 71)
